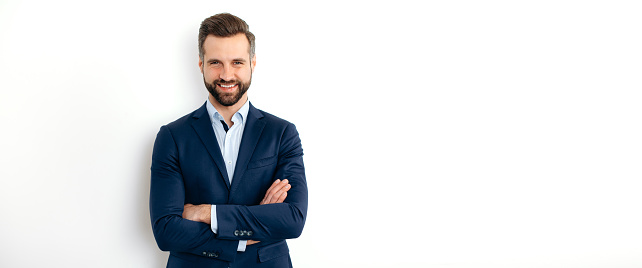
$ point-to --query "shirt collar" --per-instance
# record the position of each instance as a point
(215, 116)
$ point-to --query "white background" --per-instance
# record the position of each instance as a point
(442, 134)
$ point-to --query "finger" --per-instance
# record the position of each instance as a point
(267, 193)
(282, 197)
(273, 190)
(186, 209)
(283, 190)
(277, 196)
(274, 187)
(274, 195)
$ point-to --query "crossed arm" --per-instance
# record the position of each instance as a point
(277, 193)
(278, 216)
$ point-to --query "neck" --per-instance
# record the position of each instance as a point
(228, 111)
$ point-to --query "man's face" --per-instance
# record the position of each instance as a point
(226, 67)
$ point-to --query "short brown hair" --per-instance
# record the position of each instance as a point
(224, 25)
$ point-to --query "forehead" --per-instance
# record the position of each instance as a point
(226, 47)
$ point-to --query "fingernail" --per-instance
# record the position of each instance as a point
(286, 180)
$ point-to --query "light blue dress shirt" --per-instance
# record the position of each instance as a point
(229, 142)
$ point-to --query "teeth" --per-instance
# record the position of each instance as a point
(229, 86)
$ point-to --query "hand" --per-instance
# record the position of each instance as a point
(277, 192)
(200, 213)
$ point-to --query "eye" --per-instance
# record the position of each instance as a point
(238, 63)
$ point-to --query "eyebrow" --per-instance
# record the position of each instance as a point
(237, 59)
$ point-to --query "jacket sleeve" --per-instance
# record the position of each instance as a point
(166, 202)
(273, 221)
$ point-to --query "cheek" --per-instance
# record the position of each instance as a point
(245, 74)
(209, 75)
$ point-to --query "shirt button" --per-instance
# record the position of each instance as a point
(229, 162)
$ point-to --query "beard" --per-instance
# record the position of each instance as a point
(224, 98)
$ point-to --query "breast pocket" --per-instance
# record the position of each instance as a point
(262, 162)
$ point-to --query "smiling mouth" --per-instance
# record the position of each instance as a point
(227, 87)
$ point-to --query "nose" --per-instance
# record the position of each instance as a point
(227, 73)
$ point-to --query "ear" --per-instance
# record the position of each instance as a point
(253, 62)
(200, 63)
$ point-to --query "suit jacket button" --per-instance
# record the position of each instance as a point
(243, 233)
(236, 233)
(215, 255)
(204, 253)
(249, 233)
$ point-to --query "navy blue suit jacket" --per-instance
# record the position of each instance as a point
(187, 167)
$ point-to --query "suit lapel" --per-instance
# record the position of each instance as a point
(202, 124)
(250, 139)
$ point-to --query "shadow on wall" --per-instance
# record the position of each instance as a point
(158, 258)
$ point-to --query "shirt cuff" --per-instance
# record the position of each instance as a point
(242, 244)
(214, 226)
(214, 222)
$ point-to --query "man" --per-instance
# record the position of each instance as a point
(227, 180)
